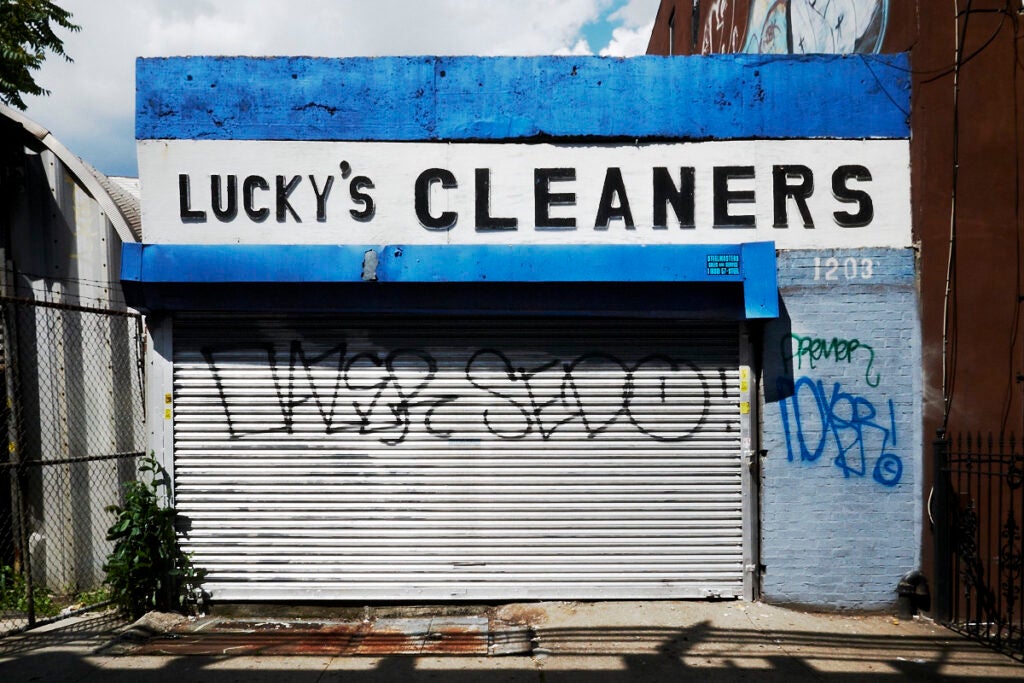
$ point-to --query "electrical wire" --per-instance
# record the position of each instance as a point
(1019, 224)
(940, 71)
(1012, 378)
(58, 278)
(966, 60)
(949, 300)
(113, 294)
(950, 309)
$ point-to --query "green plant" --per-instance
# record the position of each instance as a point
(147, 570)
(14, 597)
(91, 597)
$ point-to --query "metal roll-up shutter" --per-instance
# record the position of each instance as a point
(475, 458)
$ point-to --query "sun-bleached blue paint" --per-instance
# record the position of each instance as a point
(169, 264)
(513, 98)
(218, 263)
(760, 279)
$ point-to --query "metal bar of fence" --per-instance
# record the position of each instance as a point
(70, 461)
(68, 307)
(995, 518)
(17, 482)
(979, 557)
(970, 533)
(1017, 487)
(941, 548)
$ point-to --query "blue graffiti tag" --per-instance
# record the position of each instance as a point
(815, 420)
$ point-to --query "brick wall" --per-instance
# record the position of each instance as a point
(841, 497)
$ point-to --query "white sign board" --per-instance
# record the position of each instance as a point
(798, 193)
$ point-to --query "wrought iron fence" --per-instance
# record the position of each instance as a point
(977, 511)
(72, 418)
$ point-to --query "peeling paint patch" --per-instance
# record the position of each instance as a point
(370, 261)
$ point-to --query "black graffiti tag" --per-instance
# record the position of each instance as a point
(664, 398)
(659, 382)
(390, 393)
(543, 411)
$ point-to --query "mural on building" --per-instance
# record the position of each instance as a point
(722, 32)
(795, 26)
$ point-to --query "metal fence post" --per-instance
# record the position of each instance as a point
(17, 471)
(943, 566)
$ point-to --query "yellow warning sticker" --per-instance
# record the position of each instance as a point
(744, 407)
(744, 385)
(744, 373)
(167, 414)
(167, 399)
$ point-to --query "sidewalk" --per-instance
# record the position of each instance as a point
(556, 641)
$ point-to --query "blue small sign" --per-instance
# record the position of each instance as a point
(723, 264)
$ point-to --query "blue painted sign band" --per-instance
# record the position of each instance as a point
(507, 98)
(752, 264)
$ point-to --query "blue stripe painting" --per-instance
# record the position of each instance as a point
(715, 97)
(751, 264)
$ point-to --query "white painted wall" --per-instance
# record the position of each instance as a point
(394, 166)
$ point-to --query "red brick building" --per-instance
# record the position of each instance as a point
(966, 193)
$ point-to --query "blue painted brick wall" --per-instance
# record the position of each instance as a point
(841, 502)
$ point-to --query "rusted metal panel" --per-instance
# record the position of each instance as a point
(468, 635)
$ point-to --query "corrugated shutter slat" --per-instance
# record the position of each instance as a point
(465, 458)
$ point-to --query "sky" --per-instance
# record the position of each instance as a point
(91, 108)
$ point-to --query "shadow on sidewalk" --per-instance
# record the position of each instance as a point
(602, 654)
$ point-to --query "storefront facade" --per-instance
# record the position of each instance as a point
(461, 328)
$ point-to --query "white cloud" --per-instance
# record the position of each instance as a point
(582, 47)
(91, 109)
(636, 13)
(637, 21)
(627, 42)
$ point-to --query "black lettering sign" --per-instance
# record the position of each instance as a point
(188, 215)
(321, 197)
(783, 190)
(355, 189)
(224, 213)
(724, 197)
(613, 189)
(447, 219)
(484, 221)
(544, 198)
(866, 208)
(284, 191)
(249, 187)
(681, 198)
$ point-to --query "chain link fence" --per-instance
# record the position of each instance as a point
(73, 419)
